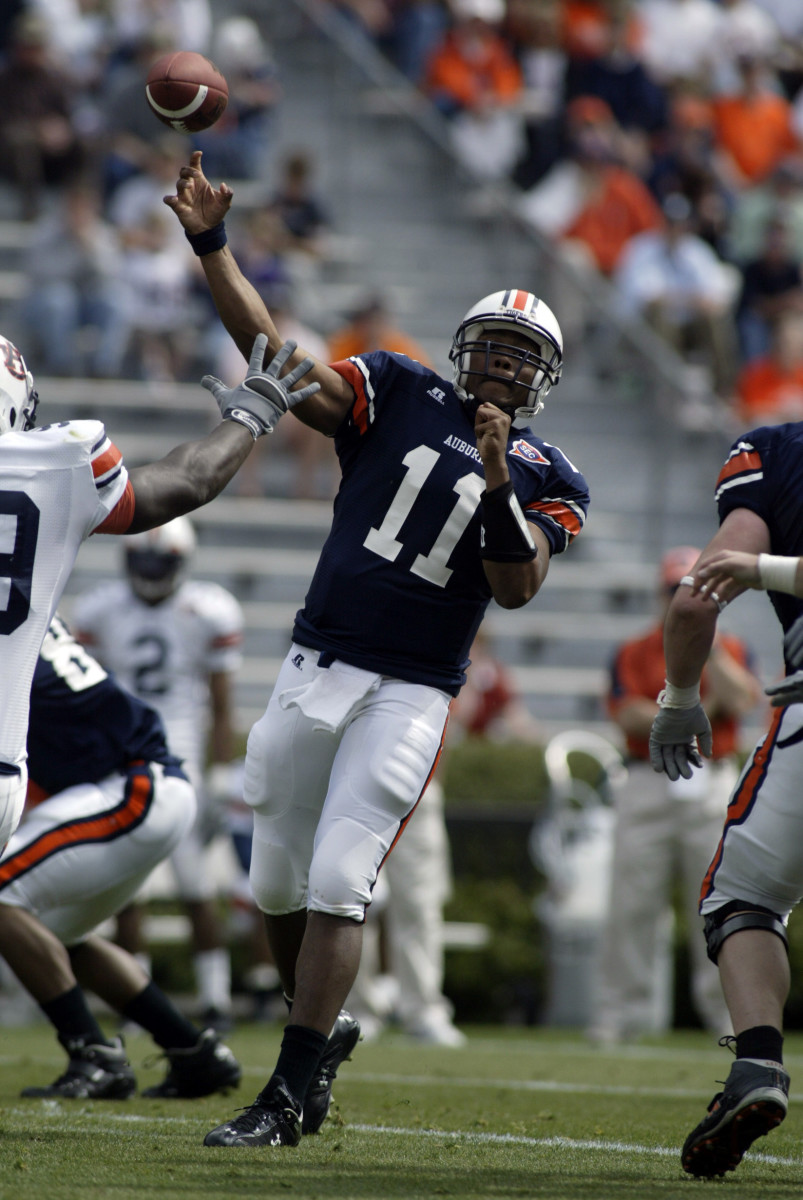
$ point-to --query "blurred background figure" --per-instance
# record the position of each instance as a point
(302, 211)
(73, 311)
(473, 78)
(590, 204)
(175, 643)
(769, 389)
(157, 270)
(239, 145)
(665, 831)
(40, 148)
(680, 286)
(772, 284)
(371, 327)
(126, 136)
(400, 981)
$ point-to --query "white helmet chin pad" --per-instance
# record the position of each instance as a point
(518, 312)
(18, 398)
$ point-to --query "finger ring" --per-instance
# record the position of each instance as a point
(721, 604)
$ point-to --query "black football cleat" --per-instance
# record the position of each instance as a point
(274, 1119)
(208, 1066)
(753, 1102)
(93, 1073)
(342, 1040)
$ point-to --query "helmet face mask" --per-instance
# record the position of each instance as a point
(535, 352)
(18, 396)
(155, 560)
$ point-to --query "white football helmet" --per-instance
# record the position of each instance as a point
(18, 396)
(155, 559)
(510, 311)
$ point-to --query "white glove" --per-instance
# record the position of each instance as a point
(793, 644)
(673, 740)
(788, 691)
(262, 397)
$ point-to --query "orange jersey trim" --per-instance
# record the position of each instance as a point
(102, 827)
(748, 460)
(120, 518)
(560, 513)
(355, 377)
(107, 461)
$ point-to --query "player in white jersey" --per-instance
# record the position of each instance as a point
(61, 483)
(175, 643)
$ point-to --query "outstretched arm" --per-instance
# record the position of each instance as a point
(193, 474)
(200, 207)
(689, 632)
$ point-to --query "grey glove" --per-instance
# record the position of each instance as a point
(793, 644)
(262, 397)
(673, 740)
(788, 691)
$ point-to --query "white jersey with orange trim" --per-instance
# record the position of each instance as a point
(165, 653)
(58, 484)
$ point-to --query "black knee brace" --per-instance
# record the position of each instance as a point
(737, 915)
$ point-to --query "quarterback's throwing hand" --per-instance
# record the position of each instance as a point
(262, 397)
(673, 740)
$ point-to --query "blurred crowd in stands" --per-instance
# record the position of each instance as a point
(656, 144)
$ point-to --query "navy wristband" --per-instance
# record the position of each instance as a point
(505, 536)
(208, 240)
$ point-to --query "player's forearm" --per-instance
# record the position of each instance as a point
(688, 637)
(239, 305)
(189, 476)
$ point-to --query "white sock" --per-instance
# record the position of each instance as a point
(213, 978)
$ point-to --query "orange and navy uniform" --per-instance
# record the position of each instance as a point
(400, 587)
(639, 672)
(764, 473)
(83, 734)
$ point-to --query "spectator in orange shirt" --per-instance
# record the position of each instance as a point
(769, 389)
(371, 328)
(590, 205)
(753, 127)
(474, 79)
(590, 198)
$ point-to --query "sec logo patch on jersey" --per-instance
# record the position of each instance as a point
(522, 449)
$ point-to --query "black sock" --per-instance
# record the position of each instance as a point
(74, 1022)
(762, 1041)
(299, 1057)
(154, 1012)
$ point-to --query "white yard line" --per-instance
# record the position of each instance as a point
(53, 1109)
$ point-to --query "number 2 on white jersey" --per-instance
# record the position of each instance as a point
(384, 541)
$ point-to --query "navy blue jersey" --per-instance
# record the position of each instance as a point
(400, 586)
(83, 725)
(764, 472)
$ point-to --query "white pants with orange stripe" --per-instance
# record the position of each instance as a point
(760, 856)
(329, 803)
(79, 857)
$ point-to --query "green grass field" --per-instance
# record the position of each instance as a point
(517, 1113)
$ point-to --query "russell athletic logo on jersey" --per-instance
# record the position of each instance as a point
(522, 449)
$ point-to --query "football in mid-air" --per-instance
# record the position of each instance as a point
(186, 91)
